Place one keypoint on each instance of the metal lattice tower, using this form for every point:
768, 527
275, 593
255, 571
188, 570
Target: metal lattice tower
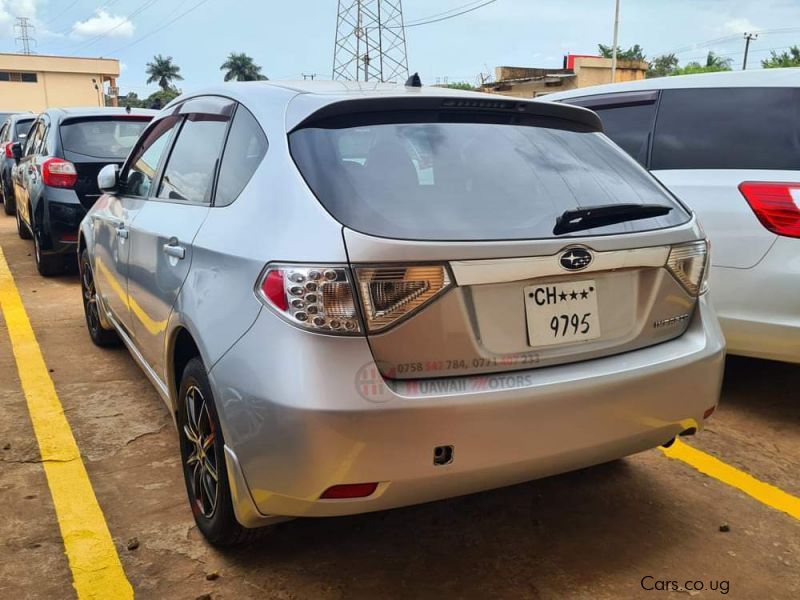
370, 41
23, 26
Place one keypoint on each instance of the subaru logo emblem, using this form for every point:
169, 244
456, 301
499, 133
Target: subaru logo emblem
575, 259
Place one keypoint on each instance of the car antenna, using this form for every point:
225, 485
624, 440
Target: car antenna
128, 108
414, 81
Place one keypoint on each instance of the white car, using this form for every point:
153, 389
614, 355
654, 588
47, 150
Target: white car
728, 145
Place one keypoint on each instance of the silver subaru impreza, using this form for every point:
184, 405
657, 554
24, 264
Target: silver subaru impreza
358, 297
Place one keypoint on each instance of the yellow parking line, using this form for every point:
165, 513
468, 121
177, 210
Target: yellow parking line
713, 467
93, 559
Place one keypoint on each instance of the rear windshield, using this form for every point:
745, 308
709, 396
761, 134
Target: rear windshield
106, 138
435, 177
22, 128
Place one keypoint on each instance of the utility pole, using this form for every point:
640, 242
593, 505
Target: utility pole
23, 27
614, 44
747, 38
370, 41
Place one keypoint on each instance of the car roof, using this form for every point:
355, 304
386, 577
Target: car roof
301, 99
96, 111
723, 79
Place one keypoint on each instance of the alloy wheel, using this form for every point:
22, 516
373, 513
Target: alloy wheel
89, 297
200, 438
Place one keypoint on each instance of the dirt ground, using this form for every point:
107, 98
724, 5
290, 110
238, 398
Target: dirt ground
604, 532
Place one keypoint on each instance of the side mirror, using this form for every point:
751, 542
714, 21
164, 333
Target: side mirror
16, 151
108, 178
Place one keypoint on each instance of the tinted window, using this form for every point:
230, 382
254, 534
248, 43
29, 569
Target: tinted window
629, 127
728, 128
245, 148
439, 180
3, 132
145, 159
107, 138
35, 139
22, 128
191, 166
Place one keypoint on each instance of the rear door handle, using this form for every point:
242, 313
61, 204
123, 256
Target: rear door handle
122, 231
174, 249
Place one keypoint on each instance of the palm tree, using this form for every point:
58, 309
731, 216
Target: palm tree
717, 62
164, 71
240, 67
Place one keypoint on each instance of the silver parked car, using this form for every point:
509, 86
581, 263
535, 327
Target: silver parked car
354, 298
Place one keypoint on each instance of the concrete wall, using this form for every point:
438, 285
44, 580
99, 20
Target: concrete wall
597, 71
61, 81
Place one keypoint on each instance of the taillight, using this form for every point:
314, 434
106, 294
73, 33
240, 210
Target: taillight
57, 172
7, 150
389, 294
687, 263
777, 205
319, 298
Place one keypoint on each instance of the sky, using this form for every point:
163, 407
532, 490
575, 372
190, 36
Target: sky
291, 37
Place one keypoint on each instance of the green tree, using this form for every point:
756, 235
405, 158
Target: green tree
784, 59
635, 52
163, 71
713, 64
460, 85
663, 65
131, 99
241, 67
161, 98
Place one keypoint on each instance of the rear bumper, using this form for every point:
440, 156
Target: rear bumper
63, 215
759, 308
292, 431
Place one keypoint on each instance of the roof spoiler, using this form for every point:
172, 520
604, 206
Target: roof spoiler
465, 103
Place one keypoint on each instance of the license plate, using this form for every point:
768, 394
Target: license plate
559, 313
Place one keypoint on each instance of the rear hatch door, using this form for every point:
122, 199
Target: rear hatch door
90, 143
450, 220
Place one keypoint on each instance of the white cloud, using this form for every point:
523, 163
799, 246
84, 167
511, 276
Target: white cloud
738, 25
123, 67
105, 24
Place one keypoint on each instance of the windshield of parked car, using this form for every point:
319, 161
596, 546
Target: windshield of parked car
102, 138
436, 177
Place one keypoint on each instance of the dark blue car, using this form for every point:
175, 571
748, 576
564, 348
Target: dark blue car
55, 178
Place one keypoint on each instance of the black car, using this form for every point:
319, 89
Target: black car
14, 129
55, 178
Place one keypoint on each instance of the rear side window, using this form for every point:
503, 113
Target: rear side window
438, 177
106, 138
21, 129
244, 150
728, 128
193, 162
629, 127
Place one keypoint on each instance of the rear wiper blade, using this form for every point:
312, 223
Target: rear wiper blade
606, 214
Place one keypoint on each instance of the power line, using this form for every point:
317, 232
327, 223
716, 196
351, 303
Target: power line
445, 18
61, 13
156, 30
137, 11
445, 12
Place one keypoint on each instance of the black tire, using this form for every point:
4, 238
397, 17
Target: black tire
47, 264
198, 427
8, 204
101, 337
22, 229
